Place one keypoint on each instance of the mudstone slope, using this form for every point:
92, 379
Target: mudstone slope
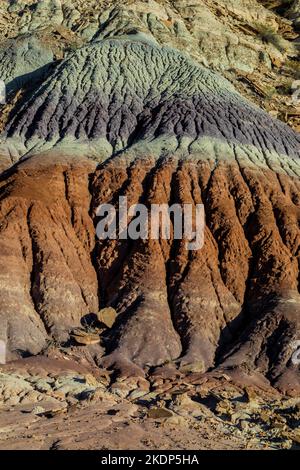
128, 116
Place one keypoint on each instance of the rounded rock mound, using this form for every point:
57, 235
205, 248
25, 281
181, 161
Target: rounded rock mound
126, 94
164, 130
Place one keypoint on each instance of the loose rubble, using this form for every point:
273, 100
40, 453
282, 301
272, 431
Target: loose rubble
194, 411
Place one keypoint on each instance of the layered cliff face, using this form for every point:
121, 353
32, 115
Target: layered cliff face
127, 116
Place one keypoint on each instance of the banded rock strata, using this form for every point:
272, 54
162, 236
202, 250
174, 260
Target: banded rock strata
126, 116
120, 94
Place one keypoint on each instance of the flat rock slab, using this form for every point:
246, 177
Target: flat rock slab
107, 316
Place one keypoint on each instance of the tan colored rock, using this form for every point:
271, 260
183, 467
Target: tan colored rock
86, 340
177, 421
195, 367
91, 380
158, 413
83, 337
107, 316
252, 394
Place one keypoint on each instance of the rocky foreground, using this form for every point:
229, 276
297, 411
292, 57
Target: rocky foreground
59, 404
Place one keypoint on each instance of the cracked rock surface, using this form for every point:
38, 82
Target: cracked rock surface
57, 403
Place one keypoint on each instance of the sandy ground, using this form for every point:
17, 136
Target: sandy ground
48, 404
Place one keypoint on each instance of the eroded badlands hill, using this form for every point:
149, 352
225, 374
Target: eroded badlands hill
125, 115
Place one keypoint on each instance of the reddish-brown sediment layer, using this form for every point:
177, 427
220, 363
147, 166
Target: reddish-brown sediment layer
233, 304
